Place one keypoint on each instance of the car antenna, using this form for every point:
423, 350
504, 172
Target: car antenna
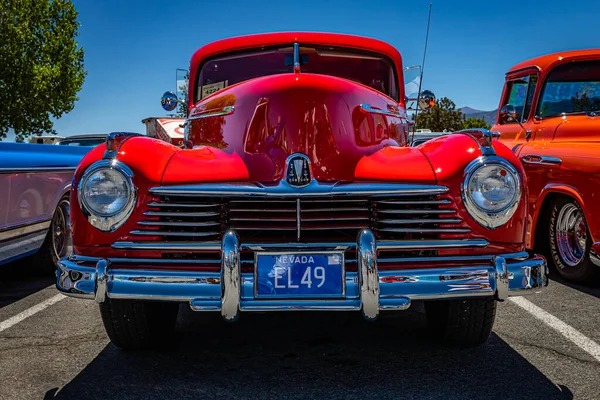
421, 77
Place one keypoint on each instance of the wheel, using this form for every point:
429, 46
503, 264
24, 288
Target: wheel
570, 242
136, 324
461, 323
57, 243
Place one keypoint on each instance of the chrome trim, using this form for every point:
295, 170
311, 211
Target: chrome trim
440, 259
425, 230
36, 170
381, 245
571, 234
368, 108
227, 110
180, 214
296, 58
101, 280
230, 277
167, 246
182, 205
368, 278
541, 160
167, 233
209, 291
289, 166
503, 278
483, 137
24, 229
594, 256
108, 223
298, 219
415, 211
420, 221
487, 219
22, 245
315, 188
168, 223
160, 261
419, 202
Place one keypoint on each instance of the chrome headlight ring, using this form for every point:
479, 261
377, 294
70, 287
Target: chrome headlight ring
107, 222
486, 217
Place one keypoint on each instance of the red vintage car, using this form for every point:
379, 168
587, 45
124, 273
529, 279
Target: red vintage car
550, 117
296, 189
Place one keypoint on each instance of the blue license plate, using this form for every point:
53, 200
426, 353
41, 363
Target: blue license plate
300, 275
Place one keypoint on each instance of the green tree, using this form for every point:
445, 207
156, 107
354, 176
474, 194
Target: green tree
41, 64
182, 95
443, 116
475, 123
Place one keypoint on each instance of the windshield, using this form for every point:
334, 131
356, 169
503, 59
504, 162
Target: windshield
369, 69
571, 88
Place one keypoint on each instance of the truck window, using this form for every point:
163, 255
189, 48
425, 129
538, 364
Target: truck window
520, 95
571, 88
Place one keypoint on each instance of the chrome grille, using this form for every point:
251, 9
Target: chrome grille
202, 216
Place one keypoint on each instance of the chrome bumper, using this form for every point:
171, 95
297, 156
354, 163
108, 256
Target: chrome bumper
369, 289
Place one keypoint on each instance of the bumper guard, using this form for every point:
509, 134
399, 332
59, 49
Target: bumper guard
368, 290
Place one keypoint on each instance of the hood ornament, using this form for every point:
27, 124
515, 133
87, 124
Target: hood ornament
298, 170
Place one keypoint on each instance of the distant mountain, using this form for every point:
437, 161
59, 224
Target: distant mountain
488, 116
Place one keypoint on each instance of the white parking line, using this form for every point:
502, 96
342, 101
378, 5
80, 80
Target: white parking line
582, 341
30, 311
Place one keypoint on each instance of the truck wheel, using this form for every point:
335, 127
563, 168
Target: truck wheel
57, 243
136, 324
461, 323
570, 242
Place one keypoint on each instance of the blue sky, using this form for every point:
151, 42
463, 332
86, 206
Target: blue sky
133, 47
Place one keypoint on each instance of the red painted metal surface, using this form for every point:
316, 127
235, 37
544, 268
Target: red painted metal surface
317, 115
573, 139
288, 38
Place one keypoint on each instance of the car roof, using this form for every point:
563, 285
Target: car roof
548, 60
288, 38
310, 38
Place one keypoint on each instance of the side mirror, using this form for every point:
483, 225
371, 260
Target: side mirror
426, 100
508, 113
169, 101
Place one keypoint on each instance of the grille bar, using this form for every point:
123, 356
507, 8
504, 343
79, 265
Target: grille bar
314, 214
167, 233
180, 214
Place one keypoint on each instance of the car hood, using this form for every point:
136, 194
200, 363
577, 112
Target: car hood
343, 127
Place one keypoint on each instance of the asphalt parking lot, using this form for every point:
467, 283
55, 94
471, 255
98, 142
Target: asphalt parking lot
545, 346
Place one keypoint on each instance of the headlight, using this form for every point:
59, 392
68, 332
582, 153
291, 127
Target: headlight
491, 191
106, 194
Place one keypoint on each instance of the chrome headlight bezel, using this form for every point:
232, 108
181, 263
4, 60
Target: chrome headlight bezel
111, 222
486, 218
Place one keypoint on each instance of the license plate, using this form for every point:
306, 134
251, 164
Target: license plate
300, 275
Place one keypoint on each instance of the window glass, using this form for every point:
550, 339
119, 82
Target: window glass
571, 88
369, 69
529, 101
517, 95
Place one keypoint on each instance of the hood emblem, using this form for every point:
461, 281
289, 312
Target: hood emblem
298, 170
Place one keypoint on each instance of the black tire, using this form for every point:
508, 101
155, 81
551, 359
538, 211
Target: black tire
136, 324
461, 323
574, 266
57, 243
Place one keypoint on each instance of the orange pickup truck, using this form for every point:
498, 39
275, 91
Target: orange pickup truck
550, 116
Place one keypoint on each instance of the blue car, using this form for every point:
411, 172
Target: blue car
35, 181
